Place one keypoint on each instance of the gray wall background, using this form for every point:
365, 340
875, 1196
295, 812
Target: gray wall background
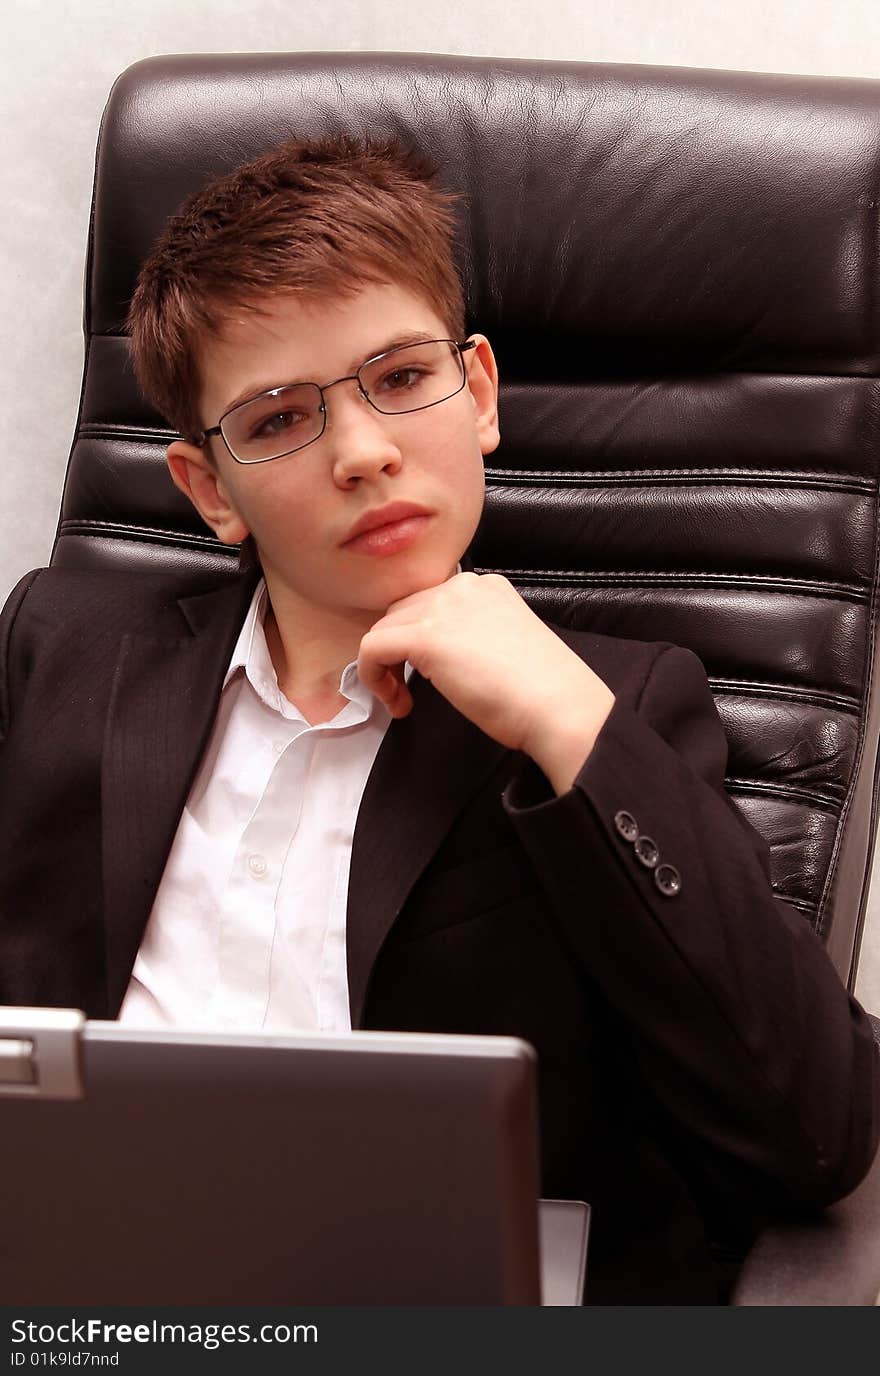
60, 58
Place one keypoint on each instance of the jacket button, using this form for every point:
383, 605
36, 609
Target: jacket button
668, 880
626, 824
646, 850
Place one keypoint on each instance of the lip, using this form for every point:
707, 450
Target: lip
384, 516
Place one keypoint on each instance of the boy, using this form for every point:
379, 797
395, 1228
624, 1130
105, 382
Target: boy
361, 786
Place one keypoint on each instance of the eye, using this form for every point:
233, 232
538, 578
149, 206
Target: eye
281, 423
403, 379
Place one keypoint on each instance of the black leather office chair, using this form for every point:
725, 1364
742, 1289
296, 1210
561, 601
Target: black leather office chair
678, 271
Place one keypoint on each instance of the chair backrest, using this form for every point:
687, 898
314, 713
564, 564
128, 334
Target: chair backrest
678, 270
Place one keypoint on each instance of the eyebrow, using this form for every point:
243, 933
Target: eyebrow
254, 390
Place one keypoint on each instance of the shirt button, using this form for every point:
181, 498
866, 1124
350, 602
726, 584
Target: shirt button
257, 865
279, 747
668, 880
626, 825
647, 851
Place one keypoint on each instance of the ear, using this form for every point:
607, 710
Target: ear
482, 381
199, 480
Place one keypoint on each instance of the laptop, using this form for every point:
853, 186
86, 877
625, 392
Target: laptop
365, 1168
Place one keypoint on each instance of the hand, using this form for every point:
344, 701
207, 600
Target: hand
497, 663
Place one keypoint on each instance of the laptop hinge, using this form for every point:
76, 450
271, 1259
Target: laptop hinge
40, 1052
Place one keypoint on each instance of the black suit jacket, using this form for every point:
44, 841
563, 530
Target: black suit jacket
700, 1064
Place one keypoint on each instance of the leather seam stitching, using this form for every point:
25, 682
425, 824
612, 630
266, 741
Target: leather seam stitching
759, 787
672, 578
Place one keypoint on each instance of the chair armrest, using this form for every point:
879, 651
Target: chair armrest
829, 1258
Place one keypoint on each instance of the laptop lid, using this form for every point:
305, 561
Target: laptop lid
187, 1168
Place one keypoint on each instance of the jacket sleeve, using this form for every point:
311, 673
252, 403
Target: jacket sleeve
739, 1023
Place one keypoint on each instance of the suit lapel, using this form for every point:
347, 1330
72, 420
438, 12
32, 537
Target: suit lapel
427, 767
163, 701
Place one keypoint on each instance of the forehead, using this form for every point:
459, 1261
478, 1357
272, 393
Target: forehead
291, 339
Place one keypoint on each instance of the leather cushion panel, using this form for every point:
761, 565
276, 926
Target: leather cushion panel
801, 840
756, 525
791, 163
126, 480
197, 564
702, 419
776, 632
778, 742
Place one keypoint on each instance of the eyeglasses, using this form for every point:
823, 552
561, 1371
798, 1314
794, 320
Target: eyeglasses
286, 419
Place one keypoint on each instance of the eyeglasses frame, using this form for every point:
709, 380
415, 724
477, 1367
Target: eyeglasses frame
463, 347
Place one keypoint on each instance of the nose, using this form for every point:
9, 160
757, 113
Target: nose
359, 437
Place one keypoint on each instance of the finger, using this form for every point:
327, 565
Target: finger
391, 689
387, 647
381, 664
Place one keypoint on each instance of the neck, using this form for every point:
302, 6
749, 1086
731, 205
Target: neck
310, 646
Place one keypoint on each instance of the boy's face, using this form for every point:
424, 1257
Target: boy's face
301, 508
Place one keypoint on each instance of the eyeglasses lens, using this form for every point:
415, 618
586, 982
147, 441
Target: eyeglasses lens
412, 378
275, 423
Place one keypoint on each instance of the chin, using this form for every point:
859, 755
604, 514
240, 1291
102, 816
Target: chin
402, 581
428, 573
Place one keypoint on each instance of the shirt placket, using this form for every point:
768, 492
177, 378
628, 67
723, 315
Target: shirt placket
247, 929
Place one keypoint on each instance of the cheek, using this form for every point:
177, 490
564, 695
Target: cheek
469, 481
456, 456
274, 500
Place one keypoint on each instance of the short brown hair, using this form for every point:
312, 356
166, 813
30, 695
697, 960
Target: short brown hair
318, 218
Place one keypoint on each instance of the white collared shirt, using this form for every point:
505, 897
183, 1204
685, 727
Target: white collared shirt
247, 930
